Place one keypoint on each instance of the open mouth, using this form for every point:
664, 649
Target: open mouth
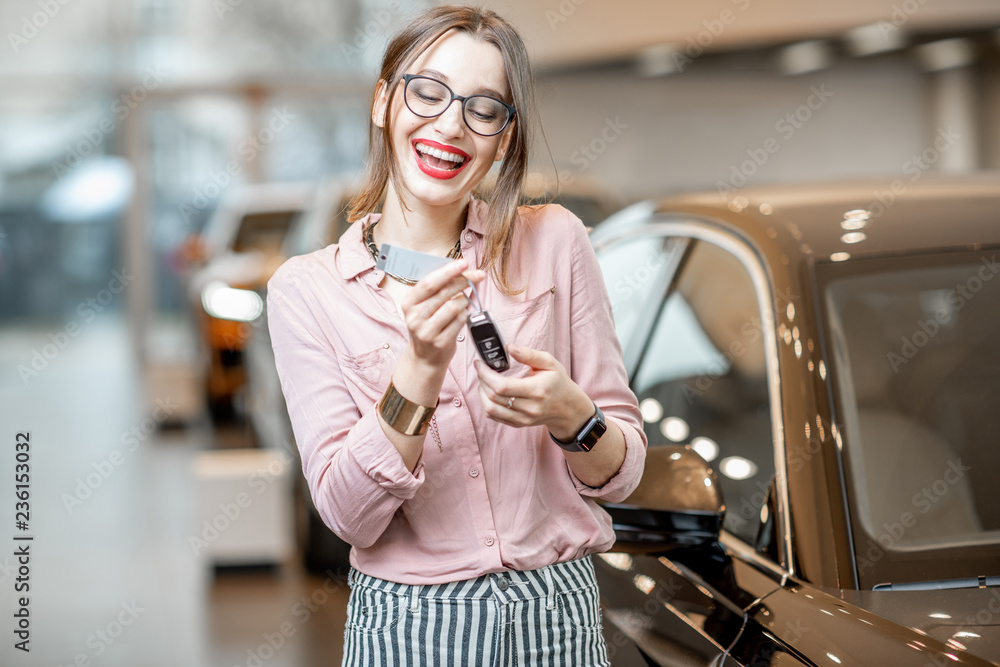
438, 160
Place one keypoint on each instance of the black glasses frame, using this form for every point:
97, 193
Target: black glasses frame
511, 111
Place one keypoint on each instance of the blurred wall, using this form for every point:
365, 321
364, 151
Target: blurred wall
740, 126
564, 32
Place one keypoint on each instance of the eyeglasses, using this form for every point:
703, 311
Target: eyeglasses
429, 98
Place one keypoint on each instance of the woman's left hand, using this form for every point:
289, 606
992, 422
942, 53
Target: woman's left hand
547, 396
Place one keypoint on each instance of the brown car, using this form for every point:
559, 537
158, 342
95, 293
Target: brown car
818, 368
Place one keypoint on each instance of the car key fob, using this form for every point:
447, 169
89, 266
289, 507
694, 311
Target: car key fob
489, 340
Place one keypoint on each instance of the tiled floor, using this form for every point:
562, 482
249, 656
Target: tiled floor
113, 578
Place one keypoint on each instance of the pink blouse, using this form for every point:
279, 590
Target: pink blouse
492, 497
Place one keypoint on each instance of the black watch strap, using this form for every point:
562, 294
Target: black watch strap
588, 435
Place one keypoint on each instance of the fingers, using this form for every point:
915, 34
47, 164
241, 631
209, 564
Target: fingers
452, 290
500, 413
532, 358
418, 304
499, 388
449, 274
447, 318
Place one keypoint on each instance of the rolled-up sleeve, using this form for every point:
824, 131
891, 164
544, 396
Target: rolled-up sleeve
598, 367
356, 476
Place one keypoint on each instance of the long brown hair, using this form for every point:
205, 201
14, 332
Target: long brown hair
405, 47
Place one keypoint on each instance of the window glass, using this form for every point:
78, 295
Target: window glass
917, 367
634, 271
702, 381
263, 231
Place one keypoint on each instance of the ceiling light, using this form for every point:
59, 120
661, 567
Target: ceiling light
651, 410
675, 429
706, 448
872, 38
737, 467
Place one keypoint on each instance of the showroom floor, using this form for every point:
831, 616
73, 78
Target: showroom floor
113, 578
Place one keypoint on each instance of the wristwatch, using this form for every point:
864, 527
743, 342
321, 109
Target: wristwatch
588, 435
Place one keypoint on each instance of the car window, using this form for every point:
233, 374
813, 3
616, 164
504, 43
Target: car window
916, 365
635, 272
263, 231
702, 380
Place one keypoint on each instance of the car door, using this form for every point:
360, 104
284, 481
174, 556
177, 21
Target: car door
693, 333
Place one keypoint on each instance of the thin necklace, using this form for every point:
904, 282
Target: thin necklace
369, 239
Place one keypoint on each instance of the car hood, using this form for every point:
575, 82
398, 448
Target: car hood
966, 620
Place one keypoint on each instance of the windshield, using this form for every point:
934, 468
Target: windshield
263, 231
916, 355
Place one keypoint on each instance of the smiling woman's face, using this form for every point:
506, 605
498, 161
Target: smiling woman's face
467, 66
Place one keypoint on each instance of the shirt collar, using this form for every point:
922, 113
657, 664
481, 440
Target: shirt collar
355, 258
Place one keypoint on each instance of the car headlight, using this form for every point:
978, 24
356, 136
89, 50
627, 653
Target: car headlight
228, 303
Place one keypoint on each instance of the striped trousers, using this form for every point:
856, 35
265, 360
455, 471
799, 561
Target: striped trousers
545, 617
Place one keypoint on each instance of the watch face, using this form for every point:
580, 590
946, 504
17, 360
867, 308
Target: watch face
588, 435
593, 431
590, 438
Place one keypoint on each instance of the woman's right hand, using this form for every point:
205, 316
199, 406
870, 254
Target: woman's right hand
435, 310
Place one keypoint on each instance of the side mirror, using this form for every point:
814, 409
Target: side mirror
677, 504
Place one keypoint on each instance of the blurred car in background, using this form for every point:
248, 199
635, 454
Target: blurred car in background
237, 252
819, 378
319, 226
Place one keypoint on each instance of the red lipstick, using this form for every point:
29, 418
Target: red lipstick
434, 172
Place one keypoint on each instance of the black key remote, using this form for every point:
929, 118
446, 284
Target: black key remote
489, 340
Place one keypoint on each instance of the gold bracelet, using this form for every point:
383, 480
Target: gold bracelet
403, 415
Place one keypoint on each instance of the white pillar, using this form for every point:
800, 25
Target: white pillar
954, 103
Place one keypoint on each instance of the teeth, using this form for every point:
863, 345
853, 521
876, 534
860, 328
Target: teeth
441, 155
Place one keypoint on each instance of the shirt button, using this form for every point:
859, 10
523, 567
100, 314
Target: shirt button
489, 541
461, 337
457, 402
474, 472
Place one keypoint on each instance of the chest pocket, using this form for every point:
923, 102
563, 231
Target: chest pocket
368, 374
529, 323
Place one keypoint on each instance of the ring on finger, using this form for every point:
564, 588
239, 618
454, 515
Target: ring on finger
510, 403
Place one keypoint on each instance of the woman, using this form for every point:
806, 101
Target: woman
467, 494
